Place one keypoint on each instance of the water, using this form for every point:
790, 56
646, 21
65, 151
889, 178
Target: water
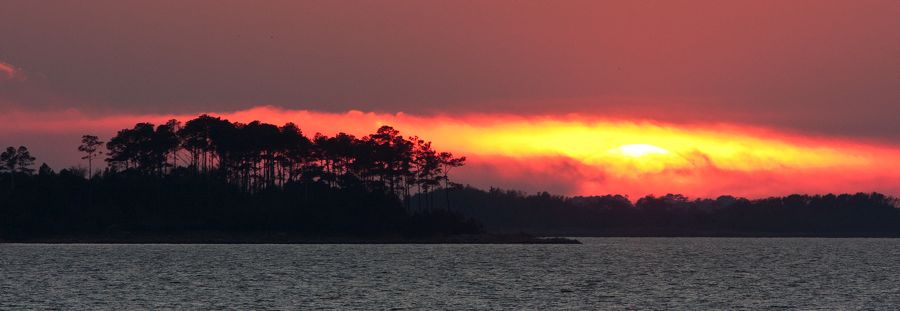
603, 273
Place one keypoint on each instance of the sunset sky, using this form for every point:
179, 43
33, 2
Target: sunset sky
752, 98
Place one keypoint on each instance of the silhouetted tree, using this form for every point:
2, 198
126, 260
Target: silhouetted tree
45, 170
196, 139
90, 145
448, 162
15, 161
168, 140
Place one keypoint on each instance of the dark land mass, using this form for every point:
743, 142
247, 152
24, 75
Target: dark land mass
283, 238
232, 179
672, 215
214, 181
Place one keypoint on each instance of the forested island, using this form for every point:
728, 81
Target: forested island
212, 180
830, 215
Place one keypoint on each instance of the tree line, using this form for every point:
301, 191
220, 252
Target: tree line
212, 174
258, 155
859, 214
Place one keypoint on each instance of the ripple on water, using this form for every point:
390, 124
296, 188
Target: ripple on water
611, 273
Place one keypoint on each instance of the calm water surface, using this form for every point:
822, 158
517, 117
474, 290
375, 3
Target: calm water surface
603, 273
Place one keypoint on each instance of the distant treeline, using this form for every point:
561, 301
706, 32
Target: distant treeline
862, 214
212, 174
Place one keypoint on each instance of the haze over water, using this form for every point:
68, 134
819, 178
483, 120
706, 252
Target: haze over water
603, 273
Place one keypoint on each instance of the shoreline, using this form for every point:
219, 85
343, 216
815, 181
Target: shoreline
729, 235
723, 235
282, 238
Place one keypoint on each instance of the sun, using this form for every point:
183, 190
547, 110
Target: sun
639, 150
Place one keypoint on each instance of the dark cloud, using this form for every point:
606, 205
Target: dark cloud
829, 67
553, 174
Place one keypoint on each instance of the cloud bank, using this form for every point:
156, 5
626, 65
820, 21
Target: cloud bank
571, 154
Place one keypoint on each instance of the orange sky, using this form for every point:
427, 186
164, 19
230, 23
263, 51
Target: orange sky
569, 154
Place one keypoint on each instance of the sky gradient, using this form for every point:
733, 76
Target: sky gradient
751, 98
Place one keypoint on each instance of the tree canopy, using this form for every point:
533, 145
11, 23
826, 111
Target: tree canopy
212, 174
256, 155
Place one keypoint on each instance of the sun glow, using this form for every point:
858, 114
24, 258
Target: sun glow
576, 154
639, 150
